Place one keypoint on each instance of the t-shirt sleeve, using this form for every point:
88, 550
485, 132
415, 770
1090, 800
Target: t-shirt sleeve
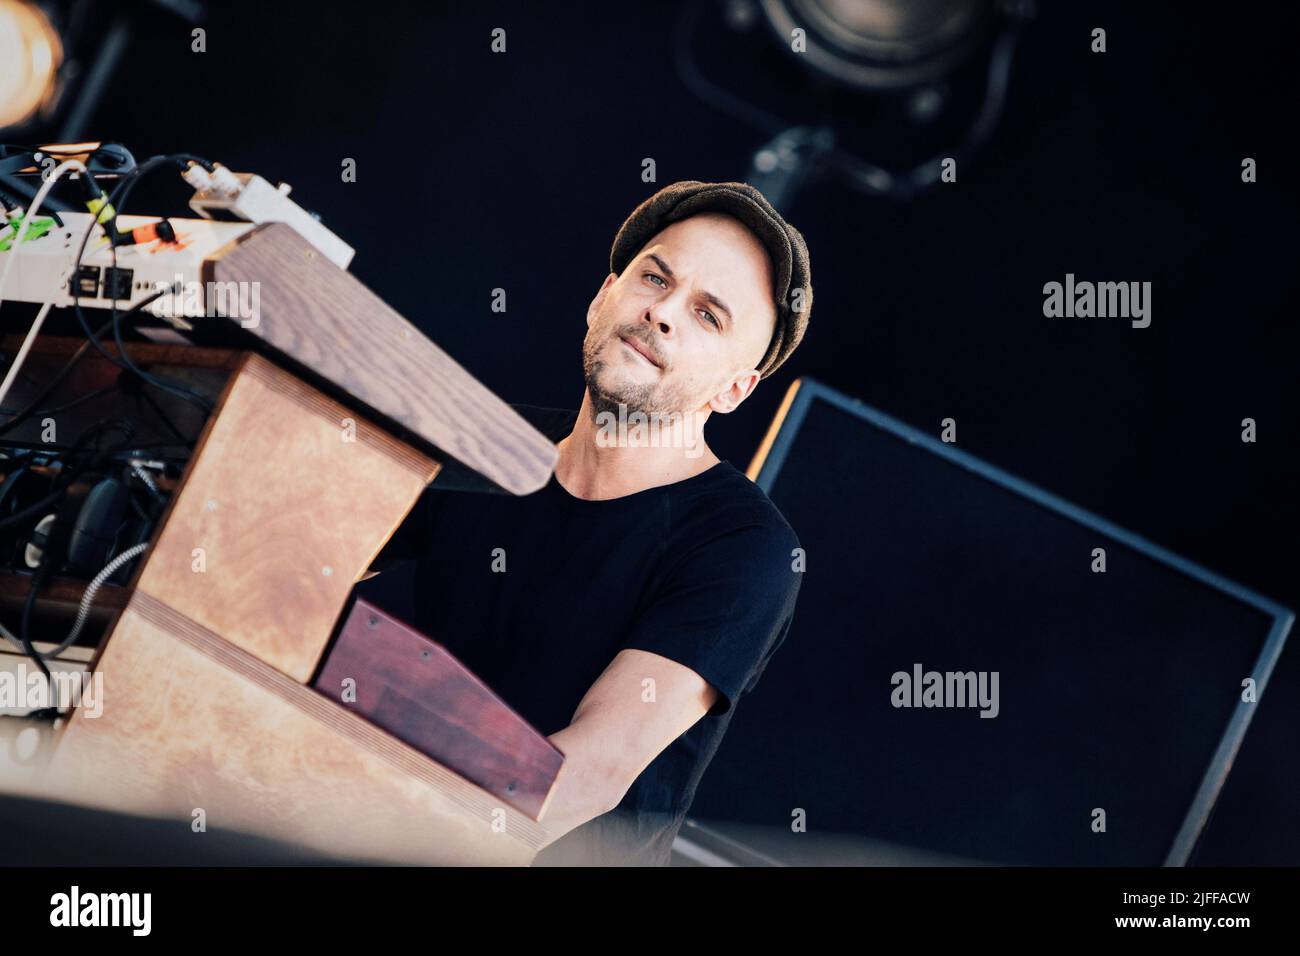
725, 608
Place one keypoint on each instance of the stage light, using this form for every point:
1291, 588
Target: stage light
881, 44
892, 89
30, 52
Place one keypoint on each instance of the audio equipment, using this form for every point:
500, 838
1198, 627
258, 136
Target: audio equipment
977, 669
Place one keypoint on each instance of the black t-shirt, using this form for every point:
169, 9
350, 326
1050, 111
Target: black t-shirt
536, 594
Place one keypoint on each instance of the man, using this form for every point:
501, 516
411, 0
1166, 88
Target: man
625, 608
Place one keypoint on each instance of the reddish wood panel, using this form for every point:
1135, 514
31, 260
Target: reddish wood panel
413, 688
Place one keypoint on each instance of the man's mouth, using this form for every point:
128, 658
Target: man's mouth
640, 349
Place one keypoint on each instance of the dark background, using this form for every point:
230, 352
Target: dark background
1115, 690
477, 171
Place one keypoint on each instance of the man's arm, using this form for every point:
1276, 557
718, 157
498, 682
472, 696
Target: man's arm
621, 725
721, 613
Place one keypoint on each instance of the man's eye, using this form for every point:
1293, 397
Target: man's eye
658, 279
711, 317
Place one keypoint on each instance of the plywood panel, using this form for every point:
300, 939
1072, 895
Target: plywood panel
190, 721
280, 513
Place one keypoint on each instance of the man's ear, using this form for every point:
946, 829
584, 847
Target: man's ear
729, 399
599, 298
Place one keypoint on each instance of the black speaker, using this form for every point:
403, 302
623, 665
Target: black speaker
978, 671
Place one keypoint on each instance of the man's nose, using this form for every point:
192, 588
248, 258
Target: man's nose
659, 315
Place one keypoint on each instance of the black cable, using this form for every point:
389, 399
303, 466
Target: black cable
31, 511
48, 559
73, 470
24, 628
10, 201
162, 444
117, 200
68, 366
50, 207
74, 402
30, 409
139, 511
204, 405
82, 350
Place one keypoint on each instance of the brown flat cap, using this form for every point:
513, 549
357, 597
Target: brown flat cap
792, 282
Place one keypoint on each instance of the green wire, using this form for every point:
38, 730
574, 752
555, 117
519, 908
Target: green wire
39, 227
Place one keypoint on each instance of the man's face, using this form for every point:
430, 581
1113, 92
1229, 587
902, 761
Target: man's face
698, 300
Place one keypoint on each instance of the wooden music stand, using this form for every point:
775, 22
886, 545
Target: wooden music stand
321, 442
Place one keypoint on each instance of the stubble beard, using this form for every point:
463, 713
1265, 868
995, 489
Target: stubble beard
647, 397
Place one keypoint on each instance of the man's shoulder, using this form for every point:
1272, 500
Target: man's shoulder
731, 503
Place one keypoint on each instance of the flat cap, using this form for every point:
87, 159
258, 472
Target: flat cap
792, 281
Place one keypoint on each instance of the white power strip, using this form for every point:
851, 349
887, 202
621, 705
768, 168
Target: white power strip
231, 204
251, 198
44, 270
